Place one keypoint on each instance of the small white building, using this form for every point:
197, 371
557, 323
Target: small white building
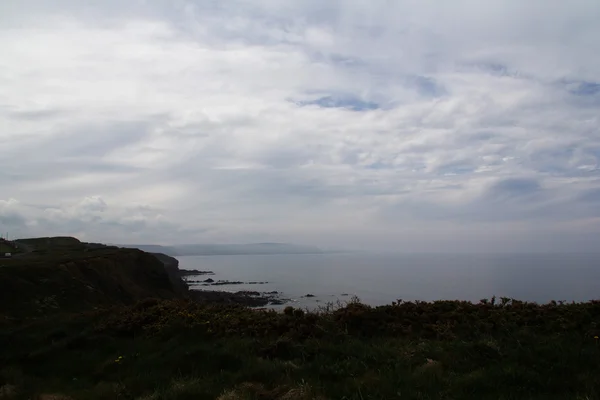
8, 255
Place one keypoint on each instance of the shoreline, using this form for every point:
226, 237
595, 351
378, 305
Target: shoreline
242, 297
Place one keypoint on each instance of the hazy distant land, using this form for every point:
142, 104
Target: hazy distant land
227, 249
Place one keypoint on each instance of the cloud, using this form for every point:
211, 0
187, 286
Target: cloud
348, 102
10, 214
369, 124
117, 221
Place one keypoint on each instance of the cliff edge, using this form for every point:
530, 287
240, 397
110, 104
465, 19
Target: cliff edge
77, 277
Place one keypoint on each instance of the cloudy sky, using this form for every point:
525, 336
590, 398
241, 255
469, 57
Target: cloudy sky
408, 125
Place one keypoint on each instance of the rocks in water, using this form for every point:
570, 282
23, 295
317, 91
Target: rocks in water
247, 298
212, 282
344, 294
185, 272
310, 295
248, 293
220, 283
211, 296
277, 302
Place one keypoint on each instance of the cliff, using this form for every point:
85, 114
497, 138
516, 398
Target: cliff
77, 278
172, 268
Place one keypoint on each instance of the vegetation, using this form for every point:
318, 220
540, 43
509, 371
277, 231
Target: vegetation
73, 279
86, 321
4, 248
45, 243
7, 246
177, 349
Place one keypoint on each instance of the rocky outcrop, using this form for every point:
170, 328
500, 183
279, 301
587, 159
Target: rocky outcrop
172, 268
245, 298
63, 275
38, 285
185, 272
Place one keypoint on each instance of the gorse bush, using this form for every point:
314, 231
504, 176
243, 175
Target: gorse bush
178, 349
444, 320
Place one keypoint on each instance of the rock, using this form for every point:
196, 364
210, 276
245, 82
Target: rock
219, 283
344, 294
172, 268
248, 293
245, 297
210, 296
184, 272
209, 280
310, 295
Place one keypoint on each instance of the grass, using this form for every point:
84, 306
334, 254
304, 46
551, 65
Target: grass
44, 243
63, 279
174, 349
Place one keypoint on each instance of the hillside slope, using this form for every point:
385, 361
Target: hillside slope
75, 278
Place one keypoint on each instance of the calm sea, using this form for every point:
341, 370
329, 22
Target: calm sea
381, 279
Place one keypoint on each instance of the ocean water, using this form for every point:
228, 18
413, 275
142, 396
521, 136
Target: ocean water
382, 278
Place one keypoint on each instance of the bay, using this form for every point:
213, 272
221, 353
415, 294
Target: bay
382, 278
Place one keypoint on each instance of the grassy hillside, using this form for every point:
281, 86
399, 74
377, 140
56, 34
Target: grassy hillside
51, 241
164, 349
4, 248
65, 276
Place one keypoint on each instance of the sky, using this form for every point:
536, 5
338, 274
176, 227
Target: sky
405, 125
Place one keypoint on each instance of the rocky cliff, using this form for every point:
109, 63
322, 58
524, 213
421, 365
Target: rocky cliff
172, 268
83, 278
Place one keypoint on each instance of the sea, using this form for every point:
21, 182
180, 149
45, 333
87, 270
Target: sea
318, 280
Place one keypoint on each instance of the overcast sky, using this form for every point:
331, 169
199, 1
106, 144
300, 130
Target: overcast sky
402, 125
